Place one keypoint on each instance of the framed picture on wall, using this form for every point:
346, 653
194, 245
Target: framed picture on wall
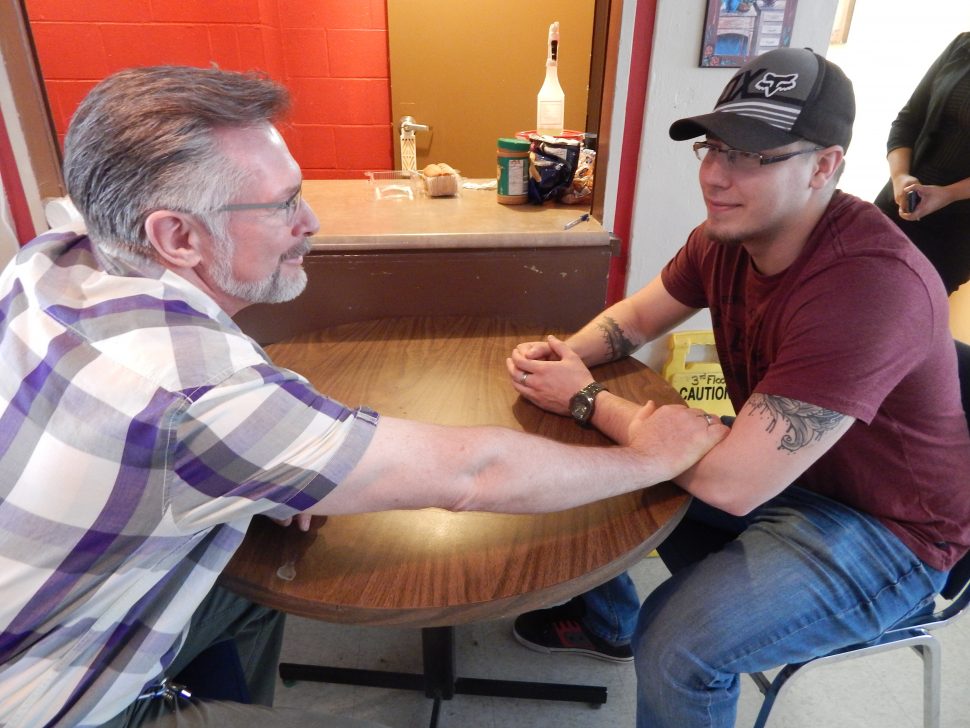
738, 30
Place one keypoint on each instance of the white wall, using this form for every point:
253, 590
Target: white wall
889, 49
8, 241
15, 130
619, 109
668, 203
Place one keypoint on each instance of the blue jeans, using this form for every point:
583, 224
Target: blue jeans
613, 607
805, 576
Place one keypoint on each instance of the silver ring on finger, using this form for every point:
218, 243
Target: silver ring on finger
710, 420
525, 375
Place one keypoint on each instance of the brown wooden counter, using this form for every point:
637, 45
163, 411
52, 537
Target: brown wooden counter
461, 256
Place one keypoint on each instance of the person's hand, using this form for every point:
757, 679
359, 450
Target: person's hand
674, 437
901, 184
536, 350
932, 198
303, 521
547, 374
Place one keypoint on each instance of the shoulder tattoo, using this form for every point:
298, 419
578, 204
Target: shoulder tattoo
617, 343
804, 423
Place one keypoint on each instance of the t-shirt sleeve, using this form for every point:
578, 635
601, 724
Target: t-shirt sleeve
852, 335
263, 441
683, 277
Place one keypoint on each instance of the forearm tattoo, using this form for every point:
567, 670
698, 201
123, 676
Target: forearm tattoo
804, 422
617, 344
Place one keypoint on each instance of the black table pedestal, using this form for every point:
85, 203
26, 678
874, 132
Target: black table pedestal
439, 680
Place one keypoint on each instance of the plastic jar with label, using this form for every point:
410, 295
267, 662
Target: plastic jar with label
513, 171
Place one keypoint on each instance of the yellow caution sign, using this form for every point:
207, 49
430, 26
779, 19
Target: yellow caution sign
694, 371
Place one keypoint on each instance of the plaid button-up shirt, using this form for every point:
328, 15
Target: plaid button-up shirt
140, 431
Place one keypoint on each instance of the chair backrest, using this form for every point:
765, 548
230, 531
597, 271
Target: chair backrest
963, 370
958, 579
960, 574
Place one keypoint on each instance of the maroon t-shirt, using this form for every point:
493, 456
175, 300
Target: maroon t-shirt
857, 324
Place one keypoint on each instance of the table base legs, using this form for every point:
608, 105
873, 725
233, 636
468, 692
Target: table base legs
439, 681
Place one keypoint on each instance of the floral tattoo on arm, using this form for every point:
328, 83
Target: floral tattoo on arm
617, 343
804, 423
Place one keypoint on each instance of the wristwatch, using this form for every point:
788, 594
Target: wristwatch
582, 404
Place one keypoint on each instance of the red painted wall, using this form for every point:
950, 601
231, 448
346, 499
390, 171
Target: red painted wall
331, 54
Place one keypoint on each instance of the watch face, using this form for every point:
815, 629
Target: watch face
579, 407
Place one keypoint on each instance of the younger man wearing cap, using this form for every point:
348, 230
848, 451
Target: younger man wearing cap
837, 503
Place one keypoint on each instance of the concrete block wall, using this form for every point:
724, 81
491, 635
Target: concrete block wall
332, 54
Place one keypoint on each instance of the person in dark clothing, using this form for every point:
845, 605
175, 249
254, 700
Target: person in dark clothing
929, 155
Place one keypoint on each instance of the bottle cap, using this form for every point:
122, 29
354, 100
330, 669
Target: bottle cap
514, 145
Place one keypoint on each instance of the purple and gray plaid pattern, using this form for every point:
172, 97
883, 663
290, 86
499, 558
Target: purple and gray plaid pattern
140, 431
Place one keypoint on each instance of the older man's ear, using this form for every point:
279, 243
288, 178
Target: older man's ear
176, 237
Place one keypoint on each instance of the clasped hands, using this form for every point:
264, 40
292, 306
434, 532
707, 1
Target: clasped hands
931, 197
547, 373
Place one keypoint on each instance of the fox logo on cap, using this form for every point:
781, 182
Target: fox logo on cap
771, 83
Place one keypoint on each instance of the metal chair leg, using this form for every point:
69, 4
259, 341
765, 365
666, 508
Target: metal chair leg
930, 652
773, 689
925, 644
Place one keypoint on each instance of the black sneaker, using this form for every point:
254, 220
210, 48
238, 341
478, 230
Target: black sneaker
560, 629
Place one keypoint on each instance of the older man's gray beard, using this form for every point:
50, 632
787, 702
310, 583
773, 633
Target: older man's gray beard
273, 289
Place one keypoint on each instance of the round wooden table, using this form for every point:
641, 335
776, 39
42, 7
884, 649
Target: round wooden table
432, 568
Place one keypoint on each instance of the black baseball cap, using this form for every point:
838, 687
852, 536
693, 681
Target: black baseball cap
782, 96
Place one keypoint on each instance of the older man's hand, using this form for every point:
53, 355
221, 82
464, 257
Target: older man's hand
674, 437
304, 521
